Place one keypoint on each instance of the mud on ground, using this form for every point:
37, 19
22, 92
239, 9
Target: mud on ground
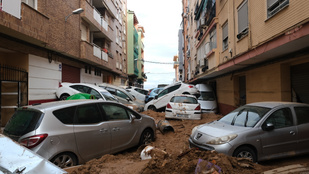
173, 155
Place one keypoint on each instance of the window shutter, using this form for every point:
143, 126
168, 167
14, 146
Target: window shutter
243, 17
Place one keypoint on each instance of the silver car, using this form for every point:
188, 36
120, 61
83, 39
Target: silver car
258, 131
72, 132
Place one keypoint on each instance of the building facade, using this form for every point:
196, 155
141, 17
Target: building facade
44, 43
252, 51
135, 49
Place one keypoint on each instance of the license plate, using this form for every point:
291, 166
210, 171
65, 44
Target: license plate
182, 115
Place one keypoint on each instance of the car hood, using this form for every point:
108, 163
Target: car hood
219, 129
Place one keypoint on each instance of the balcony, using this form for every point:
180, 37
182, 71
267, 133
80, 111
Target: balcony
97, 23
33, 27
92, 53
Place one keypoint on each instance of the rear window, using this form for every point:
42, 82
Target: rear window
66, 115
23, 122
207, 96
184, 99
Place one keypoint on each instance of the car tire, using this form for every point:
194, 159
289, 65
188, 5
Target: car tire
64, 96
153, 108
146, 137
245, 152
64, 160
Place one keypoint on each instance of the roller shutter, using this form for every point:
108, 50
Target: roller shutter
70, 74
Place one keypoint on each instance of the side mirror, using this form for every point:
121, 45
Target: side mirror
132, 118
156, 97
269, 127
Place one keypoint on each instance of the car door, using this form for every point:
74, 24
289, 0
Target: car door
123, 130
92, 134
302, 115
283, 138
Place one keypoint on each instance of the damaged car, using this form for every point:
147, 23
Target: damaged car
73, 132
258, 131
183, 106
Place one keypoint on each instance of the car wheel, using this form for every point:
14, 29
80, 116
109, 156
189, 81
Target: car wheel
153, 108
64, 96
146, 137
245, 152
64, 160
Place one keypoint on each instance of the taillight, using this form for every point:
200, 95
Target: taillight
191, 86
33, 141
198, 107
60, 85
168, 106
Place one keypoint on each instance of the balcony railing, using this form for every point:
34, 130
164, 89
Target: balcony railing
97, 52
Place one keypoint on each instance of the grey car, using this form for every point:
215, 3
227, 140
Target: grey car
258, 131
72, 132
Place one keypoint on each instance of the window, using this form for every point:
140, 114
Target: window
302, 114
115, 112
95, 93
81, 88
66, 115
88, 114
225, 43
246, 116
213, 39
183, 99
31, 3
274, 6
280, 118
242, 20
121, 94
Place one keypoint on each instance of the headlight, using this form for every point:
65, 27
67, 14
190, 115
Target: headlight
222, 140
195, 128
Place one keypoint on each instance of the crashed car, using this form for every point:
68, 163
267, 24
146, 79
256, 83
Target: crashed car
73, 132
183, 106
258, 131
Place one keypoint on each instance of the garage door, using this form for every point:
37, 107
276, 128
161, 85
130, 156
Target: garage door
70, 74
300, 82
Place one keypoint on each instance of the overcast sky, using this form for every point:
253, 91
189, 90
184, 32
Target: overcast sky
161, 20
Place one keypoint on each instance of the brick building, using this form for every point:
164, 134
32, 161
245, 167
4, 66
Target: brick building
44, 43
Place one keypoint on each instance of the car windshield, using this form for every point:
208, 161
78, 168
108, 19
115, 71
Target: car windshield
22, 122
207, 96
184, 99
245, 116
108, 96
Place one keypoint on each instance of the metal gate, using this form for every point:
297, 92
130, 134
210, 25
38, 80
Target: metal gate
14, 91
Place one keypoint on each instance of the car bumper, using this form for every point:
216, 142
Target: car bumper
223, 148
188, 116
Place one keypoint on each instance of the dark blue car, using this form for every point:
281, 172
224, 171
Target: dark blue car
152, 93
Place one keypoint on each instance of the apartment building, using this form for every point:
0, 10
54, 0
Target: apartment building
135, 49
252, 51
44, 43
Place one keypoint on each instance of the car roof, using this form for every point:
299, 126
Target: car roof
85, 84
184, 95
63, 104
116, 87
273, 104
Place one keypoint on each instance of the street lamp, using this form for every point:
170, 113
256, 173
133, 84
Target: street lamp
77, 11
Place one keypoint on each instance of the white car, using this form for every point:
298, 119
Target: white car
123, 96
161, 100
183, 106
138, 93
67, 89
207, 98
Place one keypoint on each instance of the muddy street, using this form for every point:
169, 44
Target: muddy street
172, 155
